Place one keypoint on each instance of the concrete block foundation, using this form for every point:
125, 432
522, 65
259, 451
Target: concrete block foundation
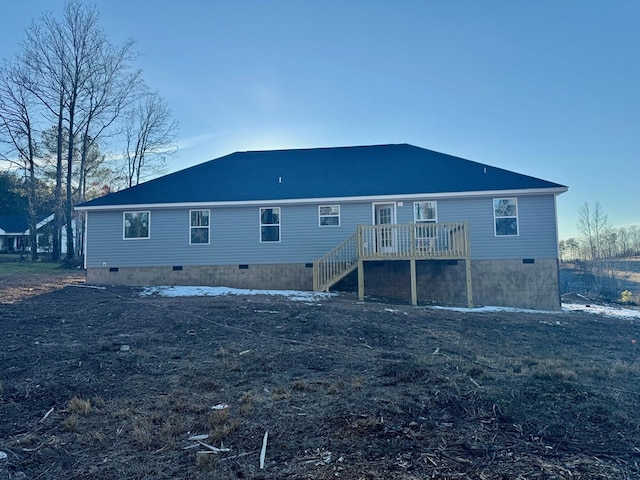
523, 283
277, 277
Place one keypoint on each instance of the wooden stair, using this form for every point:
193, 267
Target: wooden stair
335, 265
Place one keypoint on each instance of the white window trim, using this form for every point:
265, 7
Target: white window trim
516, 216
208, 227
124, 237
279, 225
435, 220
329, 216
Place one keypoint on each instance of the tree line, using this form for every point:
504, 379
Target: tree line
602, 258
77, 120
598, 240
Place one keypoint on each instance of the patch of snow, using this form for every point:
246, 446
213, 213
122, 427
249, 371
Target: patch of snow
607, 311
491, 309
180, 291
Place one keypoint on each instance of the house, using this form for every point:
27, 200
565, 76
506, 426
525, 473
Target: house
397, 221
14, 234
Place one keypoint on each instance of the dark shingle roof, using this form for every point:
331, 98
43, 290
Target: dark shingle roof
323, 173
14, 223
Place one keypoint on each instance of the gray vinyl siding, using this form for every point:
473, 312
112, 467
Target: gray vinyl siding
235, 233
234, 237
536, 226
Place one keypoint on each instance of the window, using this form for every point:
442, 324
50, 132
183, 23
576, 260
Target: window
270, 224
136, 224
505, 214
425, 212
198, 227
329, 215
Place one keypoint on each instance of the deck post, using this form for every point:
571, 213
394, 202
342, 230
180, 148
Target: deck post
316, 284
467, 264
360, 280
414, 287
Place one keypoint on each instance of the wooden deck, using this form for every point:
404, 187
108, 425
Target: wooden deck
413, 241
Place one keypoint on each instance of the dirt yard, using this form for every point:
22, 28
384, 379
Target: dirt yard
107, 384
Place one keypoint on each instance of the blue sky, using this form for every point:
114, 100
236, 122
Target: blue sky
547, 88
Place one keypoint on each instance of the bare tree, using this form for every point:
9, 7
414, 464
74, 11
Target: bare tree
150, 133
78, 81
17, 133
593, 225
569, 249
634, 239
110, 89
84, 81
43, 56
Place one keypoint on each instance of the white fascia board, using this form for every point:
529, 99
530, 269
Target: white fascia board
41, 224
302, 201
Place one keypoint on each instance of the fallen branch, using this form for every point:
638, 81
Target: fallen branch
475, 383
81, 285
263, 452
212, 448
46, 415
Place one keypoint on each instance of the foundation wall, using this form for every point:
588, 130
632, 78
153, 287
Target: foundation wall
531, 283
516, 283
278, 277
508, 283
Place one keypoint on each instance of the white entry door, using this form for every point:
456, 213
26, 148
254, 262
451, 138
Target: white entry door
385, 214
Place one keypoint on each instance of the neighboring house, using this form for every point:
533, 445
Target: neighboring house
14, 234
391, 220
13, 238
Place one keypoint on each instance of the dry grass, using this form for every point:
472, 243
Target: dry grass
554, 369
92, 437
154, 431
280, 394
142, 432
70, 423
205, 461
221, 425
357, 382
79, 406
300, 385
335, 388
247, 403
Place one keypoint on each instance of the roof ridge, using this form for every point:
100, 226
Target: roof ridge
345, 147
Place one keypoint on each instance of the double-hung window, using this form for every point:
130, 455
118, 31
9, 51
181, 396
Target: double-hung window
329, 215
269, 224
424, 212
199, 227
505, 215
135, 225
425, 215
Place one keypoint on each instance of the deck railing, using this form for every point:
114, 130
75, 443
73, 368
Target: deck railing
419, 241
336, 264
413, 240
